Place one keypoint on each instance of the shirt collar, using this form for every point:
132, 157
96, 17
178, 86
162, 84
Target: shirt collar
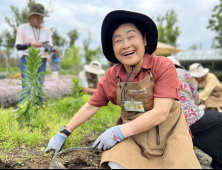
146, 65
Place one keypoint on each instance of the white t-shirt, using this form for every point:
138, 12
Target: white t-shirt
27, 34
83, 81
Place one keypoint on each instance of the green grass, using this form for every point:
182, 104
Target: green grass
49, 121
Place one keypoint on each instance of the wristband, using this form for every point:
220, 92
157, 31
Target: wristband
119, 133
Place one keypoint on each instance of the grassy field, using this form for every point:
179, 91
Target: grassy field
49, 121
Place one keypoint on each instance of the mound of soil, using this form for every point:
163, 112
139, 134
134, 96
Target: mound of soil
82, 159
5, 165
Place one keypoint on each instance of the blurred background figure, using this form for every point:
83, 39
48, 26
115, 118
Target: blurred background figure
55, 62
205, 125
89, 77
33, 34
209, 86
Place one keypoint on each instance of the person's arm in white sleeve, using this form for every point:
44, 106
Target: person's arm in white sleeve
85, 85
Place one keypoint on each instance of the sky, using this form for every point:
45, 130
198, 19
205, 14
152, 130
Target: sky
84, 15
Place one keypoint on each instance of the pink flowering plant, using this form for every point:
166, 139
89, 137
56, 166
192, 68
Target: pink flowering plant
10, 89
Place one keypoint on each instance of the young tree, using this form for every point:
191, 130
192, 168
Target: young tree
73, 36
86, 44
195, 47
215, 24
91, 54
72, 58
57, 40
168, 32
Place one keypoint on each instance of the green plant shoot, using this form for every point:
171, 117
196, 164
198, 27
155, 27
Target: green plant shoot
77, 88
30, 104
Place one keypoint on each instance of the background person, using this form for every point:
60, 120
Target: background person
209, 85
55, 62
89, 77
32, 34
151, 131
205, 125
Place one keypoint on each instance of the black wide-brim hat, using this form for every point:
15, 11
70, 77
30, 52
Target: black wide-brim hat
150, 28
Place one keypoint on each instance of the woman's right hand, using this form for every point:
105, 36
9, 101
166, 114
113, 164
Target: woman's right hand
36, 44
56, 143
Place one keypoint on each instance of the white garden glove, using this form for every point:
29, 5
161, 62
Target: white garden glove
56, 143
109, 138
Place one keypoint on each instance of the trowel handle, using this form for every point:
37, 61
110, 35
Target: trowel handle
93, 148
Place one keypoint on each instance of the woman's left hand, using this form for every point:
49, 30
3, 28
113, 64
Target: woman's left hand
109, 138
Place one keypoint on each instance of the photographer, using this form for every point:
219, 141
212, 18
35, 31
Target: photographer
34, 34
55, 62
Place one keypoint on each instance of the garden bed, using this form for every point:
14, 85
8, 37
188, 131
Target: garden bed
71, 160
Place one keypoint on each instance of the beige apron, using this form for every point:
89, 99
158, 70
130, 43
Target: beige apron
142, 151
215, 98
92, 82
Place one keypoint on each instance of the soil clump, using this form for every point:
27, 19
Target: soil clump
4, 165
82, 159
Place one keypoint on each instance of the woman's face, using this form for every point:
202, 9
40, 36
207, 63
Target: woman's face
198, 79
36, 20
128, 44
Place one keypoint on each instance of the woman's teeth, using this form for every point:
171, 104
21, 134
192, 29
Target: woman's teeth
132, 52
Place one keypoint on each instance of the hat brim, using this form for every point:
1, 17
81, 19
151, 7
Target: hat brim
92, 70
148, 23
33, 13
180, 66
204, 72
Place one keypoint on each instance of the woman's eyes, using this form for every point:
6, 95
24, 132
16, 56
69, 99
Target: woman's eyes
118, 41
131, 37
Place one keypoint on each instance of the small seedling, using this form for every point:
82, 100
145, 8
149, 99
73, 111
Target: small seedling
77, 88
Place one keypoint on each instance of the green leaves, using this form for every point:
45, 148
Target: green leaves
215, 24
169, 33
33, 89
76, 88
72, 58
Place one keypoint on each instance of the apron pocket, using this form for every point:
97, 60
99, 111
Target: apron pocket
148, 140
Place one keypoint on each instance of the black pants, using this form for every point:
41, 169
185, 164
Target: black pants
207, 133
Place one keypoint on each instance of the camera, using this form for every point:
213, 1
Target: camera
48, 48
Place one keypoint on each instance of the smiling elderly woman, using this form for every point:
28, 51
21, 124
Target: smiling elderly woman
151, 131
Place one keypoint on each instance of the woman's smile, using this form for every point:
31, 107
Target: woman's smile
128, 54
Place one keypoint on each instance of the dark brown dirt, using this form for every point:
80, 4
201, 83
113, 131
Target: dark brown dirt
4, 165
24, 158
82, 159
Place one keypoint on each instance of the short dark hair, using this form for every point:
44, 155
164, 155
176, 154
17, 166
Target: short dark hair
121, 21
